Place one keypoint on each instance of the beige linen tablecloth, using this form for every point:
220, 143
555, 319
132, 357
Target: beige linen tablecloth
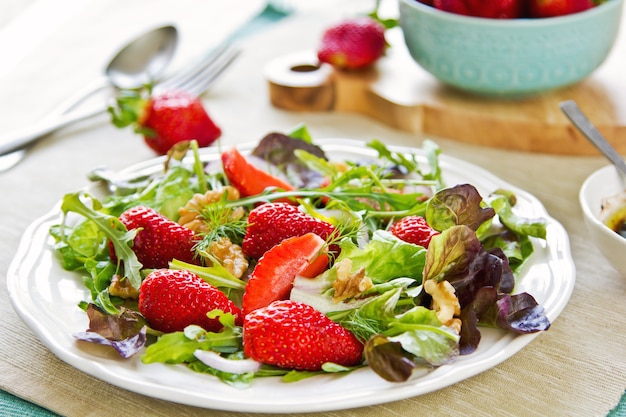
577, 368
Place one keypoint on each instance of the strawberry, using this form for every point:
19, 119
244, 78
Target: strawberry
247, 178
166, 119
159, 239
271, 223
493, 9
553, 8
452, 6
413, 229
173, 299
353, 43
273, 276
294, 335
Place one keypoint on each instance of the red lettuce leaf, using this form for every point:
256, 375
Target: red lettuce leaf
126, 348
125, 332
458, 205
278, 150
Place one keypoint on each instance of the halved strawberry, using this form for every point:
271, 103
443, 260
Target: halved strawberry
294, 335
246, 177
273, 276
271, 223
159, 239
173, 299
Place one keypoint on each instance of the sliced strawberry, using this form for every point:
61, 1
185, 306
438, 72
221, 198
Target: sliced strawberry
273, 276
317, 266
173, 299
271, 223
294, 335
246, 177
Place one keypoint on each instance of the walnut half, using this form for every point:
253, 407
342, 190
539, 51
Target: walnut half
120, 287
191, 213
349, 285
445, 303
230, 256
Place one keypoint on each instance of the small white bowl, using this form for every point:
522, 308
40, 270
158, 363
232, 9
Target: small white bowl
603, 183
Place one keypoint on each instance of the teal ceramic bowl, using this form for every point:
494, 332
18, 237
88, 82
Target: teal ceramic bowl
511, 57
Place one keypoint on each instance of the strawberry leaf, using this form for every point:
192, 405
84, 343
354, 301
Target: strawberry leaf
127, 110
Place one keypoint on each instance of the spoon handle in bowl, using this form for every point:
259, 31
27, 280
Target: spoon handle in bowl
578, 118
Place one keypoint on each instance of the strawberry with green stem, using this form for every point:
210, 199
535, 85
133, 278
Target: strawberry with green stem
165, 119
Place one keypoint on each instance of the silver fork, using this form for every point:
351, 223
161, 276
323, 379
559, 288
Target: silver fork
196, 79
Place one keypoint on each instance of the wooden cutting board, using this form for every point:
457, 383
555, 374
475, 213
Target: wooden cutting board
401, 94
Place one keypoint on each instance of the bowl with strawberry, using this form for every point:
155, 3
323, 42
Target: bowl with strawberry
510, 47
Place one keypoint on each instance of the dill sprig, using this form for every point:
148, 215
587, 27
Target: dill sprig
222, 220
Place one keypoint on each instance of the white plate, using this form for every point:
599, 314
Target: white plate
46, 298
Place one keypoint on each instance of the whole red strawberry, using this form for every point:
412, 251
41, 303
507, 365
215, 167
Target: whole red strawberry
453, 6
273, 276
553, 8
413, 229
271, 223
166, 119
294, 335
173, 299
159, 239
353, 43
493, 9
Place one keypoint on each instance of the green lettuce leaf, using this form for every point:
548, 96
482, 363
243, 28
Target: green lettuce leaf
386, 257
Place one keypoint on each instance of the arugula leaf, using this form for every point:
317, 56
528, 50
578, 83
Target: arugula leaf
112, 228
98, 281
179, 347
216, 275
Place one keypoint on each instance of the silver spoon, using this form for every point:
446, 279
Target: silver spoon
584, 125
138, 63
